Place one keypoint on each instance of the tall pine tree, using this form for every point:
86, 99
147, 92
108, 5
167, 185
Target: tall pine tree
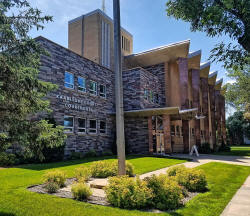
22, 94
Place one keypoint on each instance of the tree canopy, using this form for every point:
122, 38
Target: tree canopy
216, 18
22, 94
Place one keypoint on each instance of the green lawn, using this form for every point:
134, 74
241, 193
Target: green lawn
15, 200
237, 151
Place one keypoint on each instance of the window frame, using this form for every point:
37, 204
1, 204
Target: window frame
73, 123
105, 93
89, 129
78, 86
81, 128
101, 130
66, 83
90, 90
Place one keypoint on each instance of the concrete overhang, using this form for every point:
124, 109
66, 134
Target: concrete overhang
212, 78
218, 84
175, 112
194, 60
170, 52
204, 69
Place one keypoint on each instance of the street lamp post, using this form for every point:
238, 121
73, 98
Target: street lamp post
120, 138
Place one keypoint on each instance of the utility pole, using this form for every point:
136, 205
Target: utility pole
120, 138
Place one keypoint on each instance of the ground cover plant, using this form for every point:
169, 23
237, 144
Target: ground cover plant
236, 151
16, 200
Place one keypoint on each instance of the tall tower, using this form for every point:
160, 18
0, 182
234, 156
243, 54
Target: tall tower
92, 36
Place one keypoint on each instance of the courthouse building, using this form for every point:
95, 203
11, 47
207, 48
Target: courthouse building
171, 100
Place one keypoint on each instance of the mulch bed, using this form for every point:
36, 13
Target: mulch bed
93, 199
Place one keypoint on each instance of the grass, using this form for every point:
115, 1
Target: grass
16, 200
237, 151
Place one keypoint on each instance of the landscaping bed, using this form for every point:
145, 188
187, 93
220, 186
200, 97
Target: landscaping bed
164, 192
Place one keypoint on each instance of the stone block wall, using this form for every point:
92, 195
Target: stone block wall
74, 103
135, 81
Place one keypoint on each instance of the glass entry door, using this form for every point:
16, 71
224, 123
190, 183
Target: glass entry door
158, 135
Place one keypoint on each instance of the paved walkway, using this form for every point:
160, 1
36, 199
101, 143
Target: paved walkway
203, 159
240, 204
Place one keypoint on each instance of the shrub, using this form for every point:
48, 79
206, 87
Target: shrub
83, 174
191, 179
205, 148
57, 176
7, 159
76, 155
104, 169
107, 153
167, 193
81, 191
51, 187
91, 153
172, 171
128, 193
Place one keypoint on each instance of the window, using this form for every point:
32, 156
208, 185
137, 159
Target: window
81, 84
192, 131
92, 126
181, 131
156, 98
151, 96
146, 94
102, 127
81, 125
69, 80
178, 130
172, 130
191, 104
93, 88
68, 124
102, 91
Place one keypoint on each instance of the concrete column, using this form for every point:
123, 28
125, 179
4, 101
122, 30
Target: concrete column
150, 135
167, 133
185, 128
204, 90
218, 116
167, 88
223, 119
183, 70
212, 107
196, 102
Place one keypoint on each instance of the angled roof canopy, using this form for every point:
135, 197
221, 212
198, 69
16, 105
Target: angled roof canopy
194, 59
218, 84
212, 78
204, 69
158, 55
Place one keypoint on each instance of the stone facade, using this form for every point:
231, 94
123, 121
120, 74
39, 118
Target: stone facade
71, 102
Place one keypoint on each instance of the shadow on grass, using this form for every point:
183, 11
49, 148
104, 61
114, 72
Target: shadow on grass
44, 166
6, 214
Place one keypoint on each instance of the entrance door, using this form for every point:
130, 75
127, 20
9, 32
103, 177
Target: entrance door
158, 135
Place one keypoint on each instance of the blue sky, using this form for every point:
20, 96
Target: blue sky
145, 19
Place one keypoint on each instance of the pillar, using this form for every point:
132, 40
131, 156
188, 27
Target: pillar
167, 133
150, 135
218, 117
196, 102
224, 133
183, 70
212, 108
185, 128
204, 90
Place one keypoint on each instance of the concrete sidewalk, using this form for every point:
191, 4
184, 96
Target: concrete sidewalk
240, 204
